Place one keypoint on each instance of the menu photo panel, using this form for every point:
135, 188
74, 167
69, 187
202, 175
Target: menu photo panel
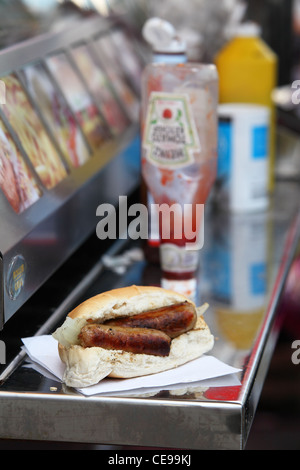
129, 58
79, 100
57, 114
108, 57
16, 179
31, 133
100, 88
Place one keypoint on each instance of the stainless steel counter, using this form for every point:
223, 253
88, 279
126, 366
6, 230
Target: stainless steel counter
244, 265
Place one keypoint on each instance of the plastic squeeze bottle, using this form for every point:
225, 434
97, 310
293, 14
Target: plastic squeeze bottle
179, 156
167, 48
247, 70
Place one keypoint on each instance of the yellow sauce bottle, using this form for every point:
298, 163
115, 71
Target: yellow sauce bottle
248, 74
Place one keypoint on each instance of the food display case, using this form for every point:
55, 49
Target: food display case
69, 155
62, 132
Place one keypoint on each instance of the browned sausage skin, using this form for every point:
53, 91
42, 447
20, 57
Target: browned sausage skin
135, 340
149, 332
173, 320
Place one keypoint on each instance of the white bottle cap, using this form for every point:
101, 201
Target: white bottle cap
247, 29
162, 37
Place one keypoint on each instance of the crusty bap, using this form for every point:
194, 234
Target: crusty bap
87, 366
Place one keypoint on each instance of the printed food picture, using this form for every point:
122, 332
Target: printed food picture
33, 136
129, 58
98, 83
16, 180
57, 114
109, 57
79, 100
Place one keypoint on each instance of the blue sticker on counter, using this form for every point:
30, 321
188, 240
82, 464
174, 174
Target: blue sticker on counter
219, 272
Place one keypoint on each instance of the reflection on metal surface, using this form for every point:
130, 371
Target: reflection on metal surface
208, 416
239, 328
236, 266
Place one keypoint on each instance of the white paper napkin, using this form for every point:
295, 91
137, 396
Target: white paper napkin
43, 351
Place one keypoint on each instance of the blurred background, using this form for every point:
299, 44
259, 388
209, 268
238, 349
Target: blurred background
206, 25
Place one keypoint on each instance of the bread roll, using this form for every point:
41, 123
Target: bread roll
87, 366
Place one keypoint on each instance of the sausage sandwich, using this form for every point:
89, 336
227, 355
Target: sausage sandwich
131, 332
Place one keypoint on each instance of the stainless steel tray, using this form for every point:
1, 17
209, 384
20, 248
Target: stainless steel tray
243, 317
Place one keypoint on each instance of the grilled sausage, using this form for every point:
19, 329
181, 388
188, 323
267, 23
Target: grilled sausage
135, 340
173, 320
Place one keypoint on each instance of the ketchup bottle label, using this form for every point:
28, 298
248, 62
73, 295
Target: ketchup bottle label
177, 259
170, 138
